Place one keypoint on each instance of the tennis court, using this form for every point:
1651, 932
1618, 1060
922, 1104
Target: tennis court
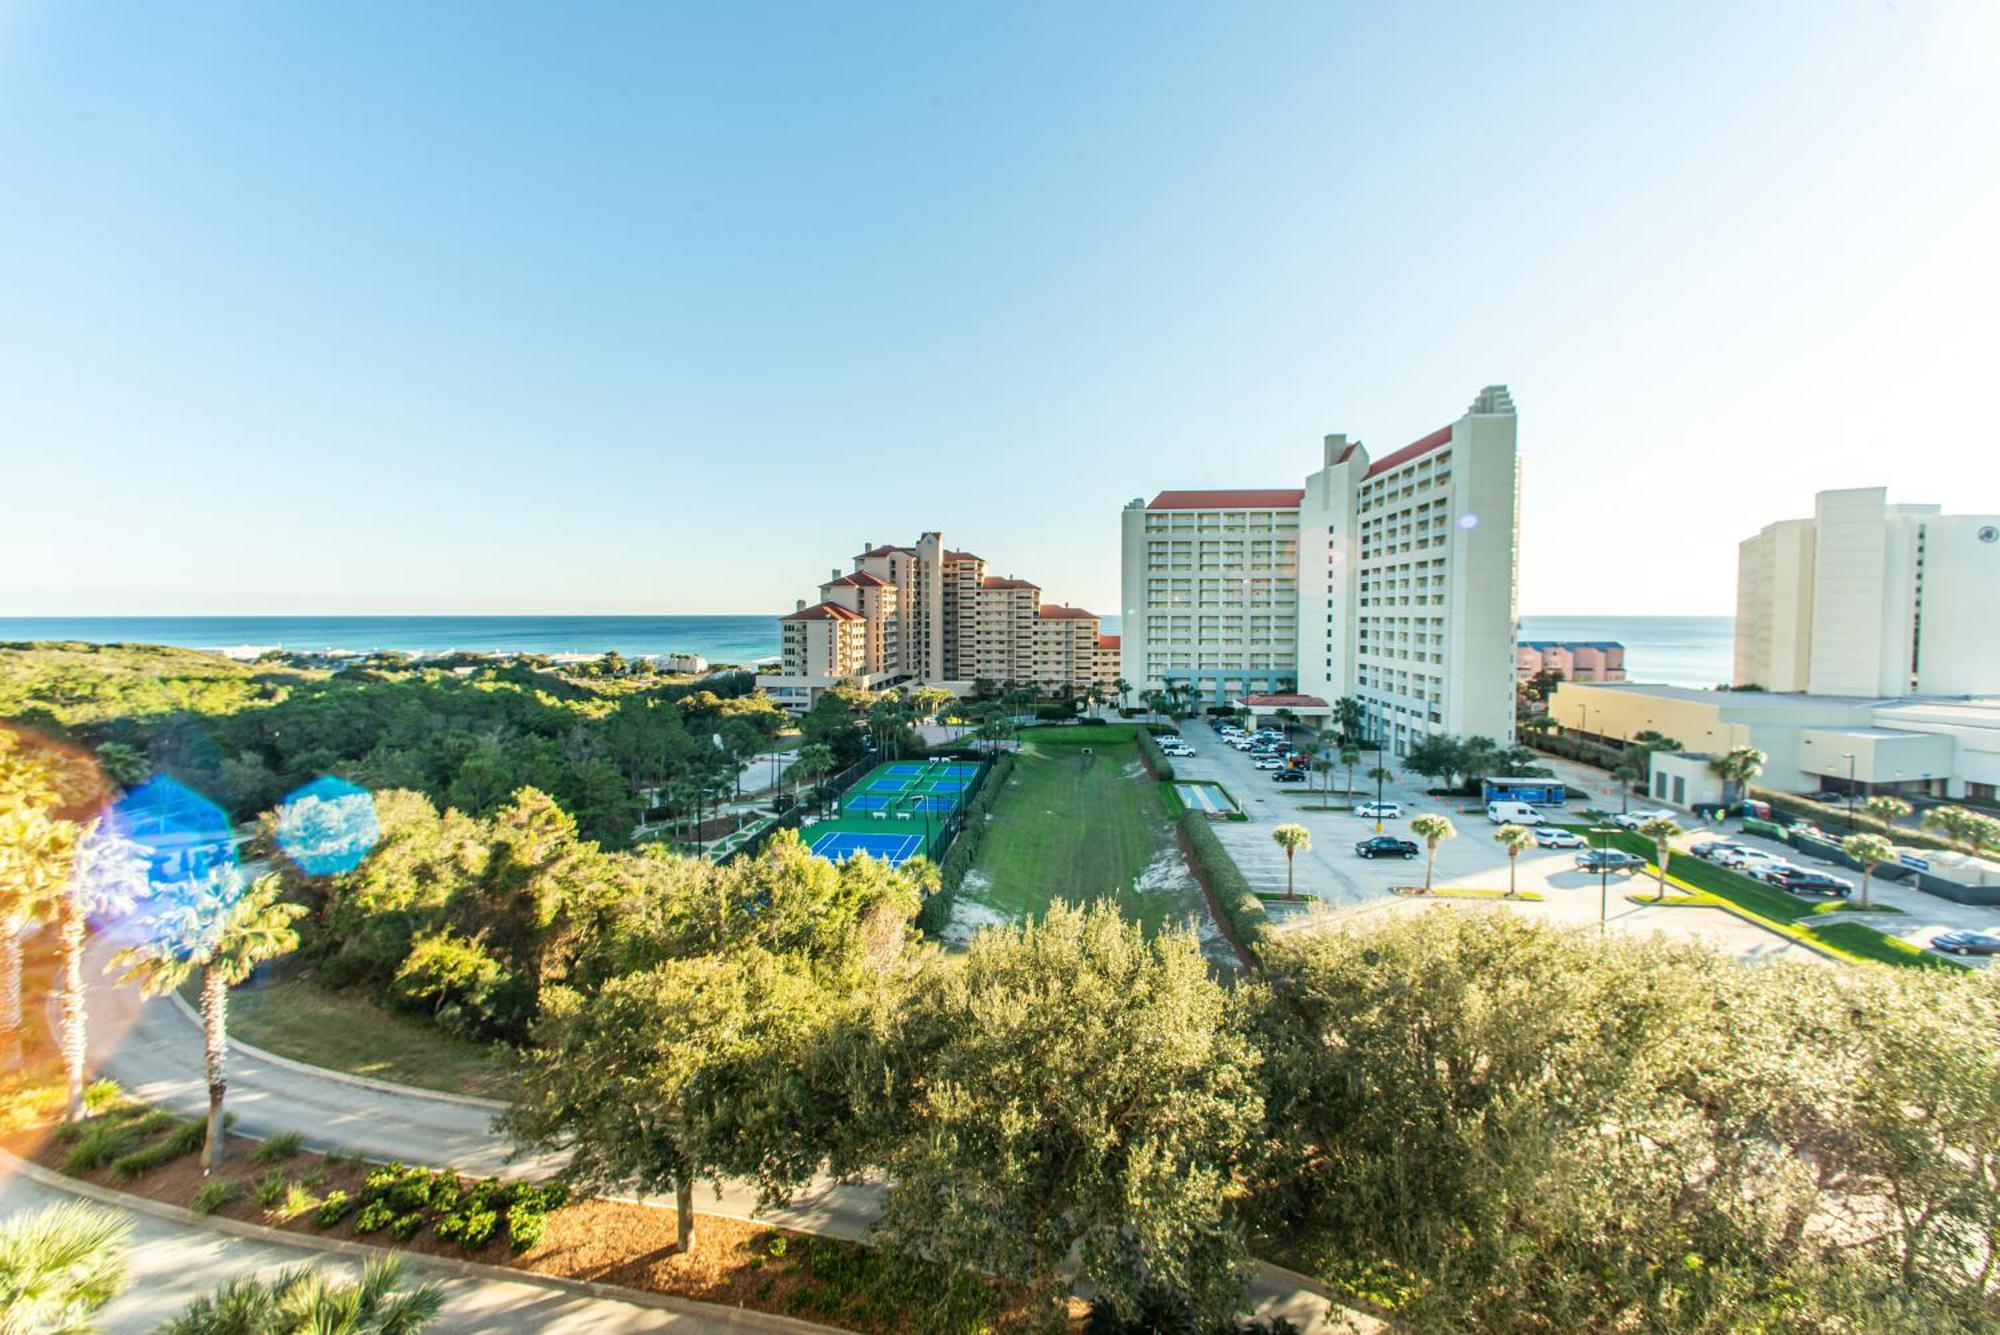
840, 845
912, 798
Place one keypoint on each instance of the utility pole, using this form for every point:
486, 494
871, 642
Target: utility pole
1848, 756
1603, 879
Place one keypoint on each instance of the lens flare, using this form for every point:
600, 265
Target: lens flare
328, 826
183, 837
1468, 521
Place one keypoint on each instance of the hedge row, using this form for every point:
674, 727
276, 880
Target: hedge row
1216, 870
1574, 748
1154, 758
964, 846
1834, 818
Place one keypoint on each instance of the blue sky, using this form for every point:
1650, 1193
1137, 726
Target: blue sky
666, 308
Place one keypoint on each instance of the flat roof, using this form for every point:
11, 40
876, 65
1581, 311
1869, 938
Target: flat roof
1266, 498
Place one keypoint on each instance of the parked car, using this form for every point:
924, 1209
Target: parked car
1802, 881
1967, 943
1772, 871
1386, 846
1380, 810
1289, 776
1547, 836
1512, 813
1711, 850
1608, 859
1270, 762
1632, 820
1242, 743
1744, 859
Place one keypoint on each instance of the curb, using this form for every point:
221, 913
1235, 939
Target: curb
340, 1077
741, 1318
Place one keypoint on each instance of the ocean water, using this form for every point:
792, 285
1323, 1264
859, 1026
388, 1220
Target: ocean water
1670, 651
720, 639
1679, 651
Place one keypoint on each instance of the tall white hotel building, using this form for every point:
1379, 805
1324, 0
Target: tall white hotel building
1391, 580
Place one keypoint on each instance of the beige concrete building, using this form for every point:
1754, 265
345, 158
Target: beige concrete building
929, 615
1390, 579
1870, 599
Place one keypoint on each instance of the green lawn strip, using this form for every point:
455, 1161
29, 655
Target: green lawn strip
1852, 942
1480, 892
295, 1017
1074, 827
1849, 906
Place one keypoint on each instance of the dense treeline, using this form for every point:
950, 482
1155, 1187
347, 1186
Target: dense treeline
1479, 1123
606, 748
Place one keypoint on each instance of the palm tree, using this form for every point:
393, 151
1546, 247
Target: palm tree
302, 1299
1868, 851
815, 759
1294, 839
1433, 829
1956, 824
1886, 809
59, 1265
1737, 770
1662, 830
1124, 690
107, 876
1516, 839
1285, 718
225, 932
1350, 756
36, 851
1985, 834
1381, 774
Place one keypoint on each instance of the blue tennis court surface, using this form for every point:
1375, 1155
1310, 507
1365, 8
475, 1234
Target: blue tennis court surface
903, 771
887, 786
935, 802
839, 846
866, 803
947, 786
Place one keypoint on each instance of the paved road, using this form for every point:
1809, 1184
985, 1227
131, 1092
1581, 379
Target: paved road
172, 1263
154, 1050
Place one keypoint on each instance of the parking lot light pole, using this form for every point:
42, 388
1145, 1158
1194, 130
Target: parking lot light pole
1848, 756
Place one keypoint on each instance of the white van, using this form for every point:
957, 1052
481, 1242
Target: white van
1512, 813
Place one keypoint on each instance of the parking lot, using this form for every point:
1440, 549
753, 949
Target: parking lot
1342, 883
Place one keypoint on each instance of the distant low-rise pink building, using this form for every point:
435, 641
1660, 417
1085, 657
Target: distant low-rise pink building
1577, 660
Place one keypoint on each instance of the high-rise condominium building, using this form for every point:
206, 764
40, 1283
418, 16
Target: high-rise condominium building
928, 615
1391, 580
1870, 599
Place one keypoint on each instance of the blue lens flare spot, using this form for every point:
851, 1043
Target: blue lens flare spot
184, 838
1468, 521
328, 826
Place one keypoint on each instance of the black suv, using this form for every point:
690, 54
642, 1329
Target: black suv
1802, 882
1386, 846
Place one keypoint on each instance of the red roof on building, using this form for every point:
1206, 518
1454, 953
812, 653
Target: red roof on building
823, 612
995, 582
1110, 641
885, 551
1284, 702
860, 579
962, 556
1268, 498
1066, 613
1415, 449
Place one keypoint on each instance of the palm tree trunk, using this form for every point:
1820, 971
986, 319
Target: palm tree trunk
10, 992
215, 1035
73, 1019
1513, 861
1289, 893
684, 1214
1430, 863
1864, 887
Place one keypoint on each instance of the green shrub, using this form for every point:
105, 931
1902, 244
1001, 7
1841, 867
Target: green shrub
213, 1194
314, 1177
186, 1138
342, 1159
270, 1189
333, 1209
140, 1162
524, 1226
480, 1226
1232, 894
278, 1148
374, 1217
99, 1144
297, 1200
100, 1095
1155, 759
774, 1244
150, 1123
406, 1225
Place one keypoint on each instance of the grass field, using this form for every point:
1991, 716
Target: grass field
1077, 826
295, 1017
